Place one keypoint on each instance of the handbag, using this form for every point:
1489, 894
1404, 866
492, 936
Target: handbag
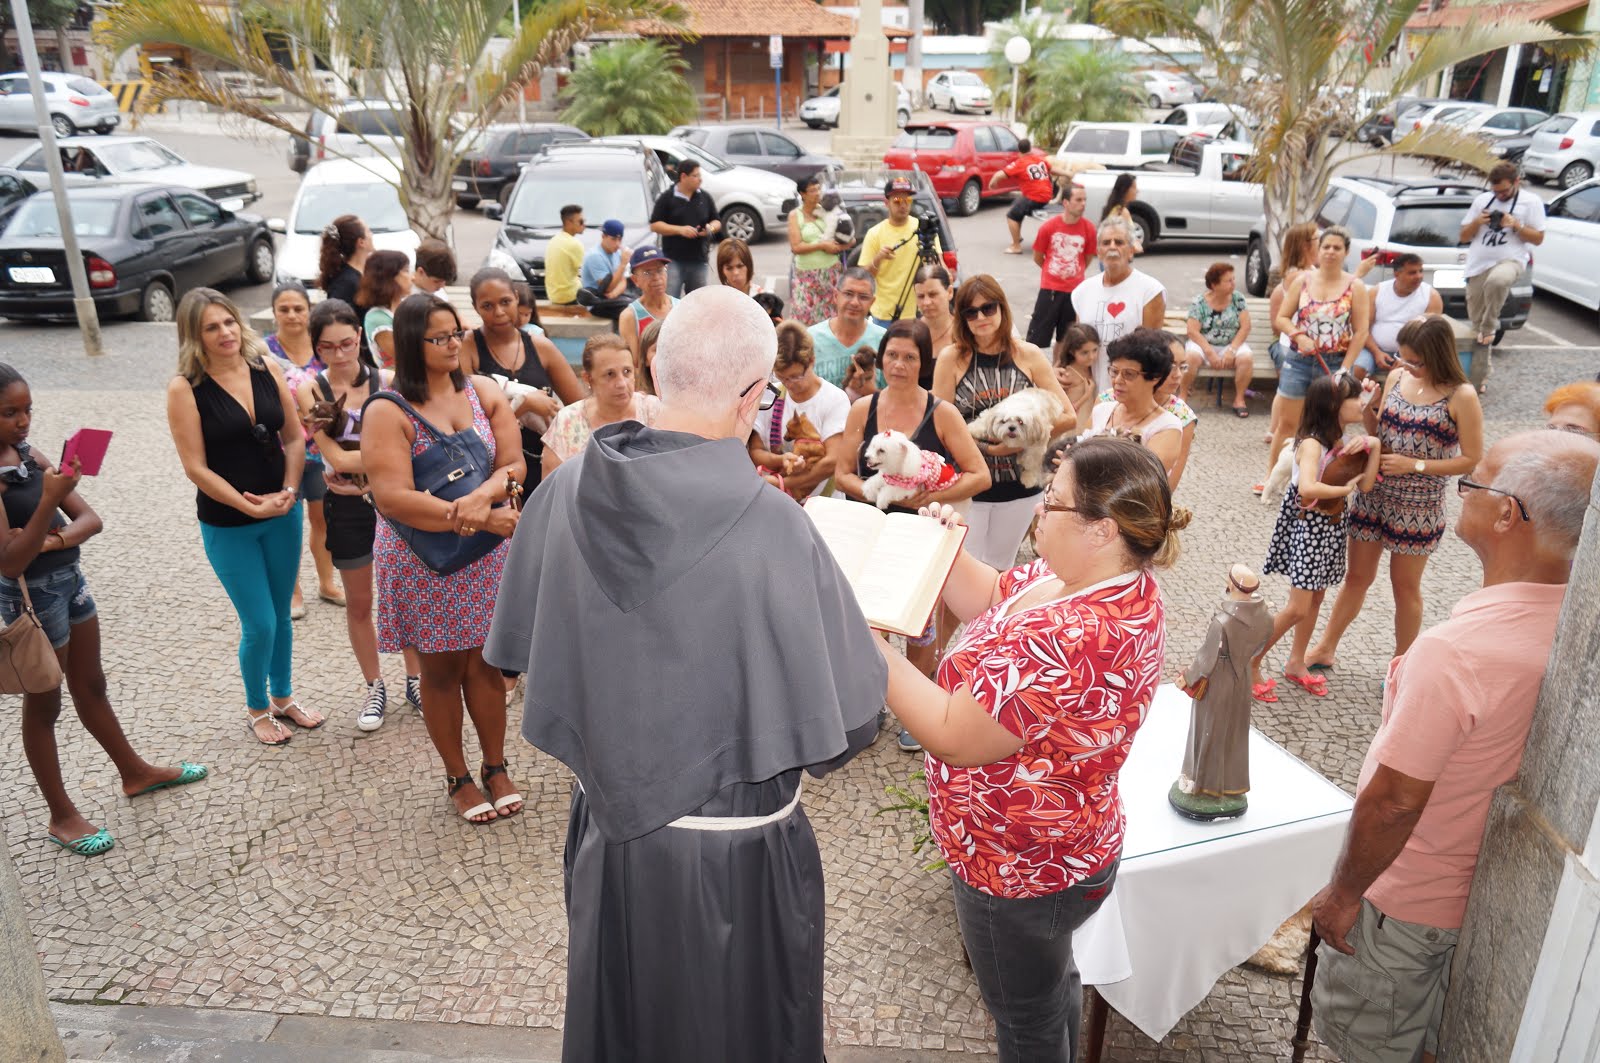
28, 663
453, 468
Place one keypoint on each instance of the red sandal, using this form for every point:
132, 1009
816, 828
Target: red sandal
1264, 691
1316, 685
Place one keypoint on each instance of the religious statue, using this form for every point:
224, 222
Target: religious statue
1216, 763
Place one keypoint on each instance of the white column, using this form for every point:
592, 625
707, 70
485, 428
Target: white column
1508, 75
27, 1031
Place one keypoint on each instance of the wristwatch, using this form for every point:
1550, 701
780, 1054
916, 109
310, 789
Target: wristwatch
1421, 466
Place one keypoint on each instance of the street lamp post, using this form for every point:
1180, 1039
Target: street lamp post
1017, 52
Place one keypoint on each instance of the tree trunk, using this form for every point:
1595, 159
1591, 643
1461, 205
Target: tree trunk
429, 200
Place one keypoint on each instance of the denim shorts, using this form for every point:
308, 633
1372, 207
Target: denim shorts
313, 488
61, 600
1295, 371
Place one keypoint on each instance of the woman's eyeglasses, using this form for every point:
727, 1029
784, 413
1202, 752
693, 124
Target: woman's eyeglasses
343, 346
1464, 485
1051, 506
449, 337
972, 313
768, 397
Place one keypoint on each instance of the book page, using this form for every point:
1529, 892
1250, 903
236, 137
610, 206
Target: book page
849, 528
906, 571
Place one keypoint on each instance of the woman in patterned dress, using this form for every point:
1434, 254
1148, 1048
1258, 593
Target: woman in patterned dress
444, 617
1028, 726
1431, 428
814, 271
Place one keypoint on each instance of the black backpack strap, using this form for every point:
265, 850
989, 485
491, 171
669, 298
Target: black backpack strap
933, 401
325, 388
400, 401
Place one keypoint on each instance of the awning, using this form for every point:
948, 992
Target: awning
1460, 14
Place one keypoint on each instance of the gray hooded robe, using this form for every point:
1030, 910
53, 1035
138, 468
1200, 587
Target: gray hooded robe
690, 646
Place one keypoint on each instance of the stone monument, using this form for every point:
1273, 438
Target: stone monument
867, 98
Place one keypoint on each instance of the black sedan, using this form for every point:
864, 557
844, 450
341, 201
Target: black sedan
495, 158
143, 245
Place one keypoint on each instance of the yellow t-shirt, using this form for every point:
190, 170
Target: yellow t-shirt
563, 259
894, 275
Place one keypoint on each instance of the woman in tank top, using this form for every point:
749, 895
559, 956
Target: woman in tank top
237, 433
985, 365
500, 348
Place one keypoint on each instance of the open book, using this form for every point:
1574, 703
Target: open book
897, 563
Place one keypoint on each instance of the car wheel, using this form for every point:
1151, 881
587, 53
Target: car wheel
741, 223
1153, 102
1257, 267
901, 117
971, 197
466, 202
106, 130
1146, 230
259, 262
63, 125
156, 302
813, 125
1576, 173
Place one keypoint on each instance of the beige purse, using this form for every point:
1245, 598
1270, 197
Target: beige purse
28, 663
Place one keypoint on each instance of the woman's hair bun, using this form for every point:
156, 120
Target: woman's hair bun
1181, 516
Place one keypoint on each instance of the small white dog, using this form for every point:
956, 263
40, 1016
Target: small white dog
1021, 419
903, 470
1278, 479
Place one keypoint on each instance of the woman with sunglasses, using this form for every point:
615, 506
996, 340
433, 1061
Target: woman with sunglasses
985, 364
1431, 427
445, 617
236, 430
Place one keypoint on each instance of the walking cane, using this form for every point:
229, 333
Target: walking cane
1302, 1027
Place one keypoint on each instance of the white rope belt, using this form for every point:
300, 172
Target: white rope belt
739, 822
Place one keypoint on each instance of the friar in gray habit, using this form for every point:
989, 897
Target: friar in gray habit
692, 650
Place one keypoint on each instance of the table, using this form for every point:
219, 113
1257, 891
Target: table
1192, 899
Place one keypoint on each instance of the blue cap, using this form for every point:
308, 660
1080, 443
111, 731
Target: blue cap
612, 227
645, 256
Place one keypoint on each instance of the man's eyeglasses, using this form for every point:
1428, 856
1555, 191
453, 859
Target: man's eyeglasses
972, 313
768, 397
343, 346
444, 341
1464, 485
855, 297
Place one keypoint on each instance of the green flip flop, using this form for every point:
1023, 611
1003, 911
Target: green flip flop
187, 773
1319, 667
94, 844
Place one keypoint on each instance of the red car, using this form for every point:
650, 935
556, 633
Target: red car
960, 157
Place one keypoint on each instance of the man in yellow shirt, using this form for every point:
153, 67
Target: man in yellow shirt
889, 253
563, 257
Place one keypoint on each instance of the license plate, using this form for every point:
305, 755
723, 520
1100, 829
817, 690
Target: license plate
458, 186
32, 274
1449, 278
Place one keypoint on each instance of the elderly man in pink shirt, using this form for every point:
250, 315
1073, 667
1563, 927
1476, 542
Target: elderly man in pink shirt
1456, 712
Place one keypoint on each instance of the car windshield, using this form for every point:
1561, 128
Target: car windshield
375, 202
132, 156
539, 201
90, 217
1426, 226
967, 80
1098, 141
926, 139
711, 162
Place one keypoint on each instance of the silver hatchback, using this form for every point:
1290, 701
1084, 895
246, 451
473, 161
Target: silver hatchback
1565, 149
76, 104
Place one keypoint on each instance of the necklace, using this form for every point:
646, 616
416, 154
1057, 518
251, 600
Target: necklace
1123, 408
514, 363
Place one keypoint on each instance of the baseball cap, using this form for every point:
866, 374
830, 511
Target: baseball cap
611, 227
646, 256
898, 186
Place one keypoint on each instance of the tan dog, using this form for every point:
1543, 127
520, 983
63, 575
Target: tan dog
805, 437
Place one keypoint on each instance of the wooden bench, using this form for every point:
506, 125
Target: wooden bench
1176, 322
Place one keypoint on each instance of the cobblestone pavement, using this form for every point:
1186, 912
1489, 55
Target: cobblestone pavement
328, 877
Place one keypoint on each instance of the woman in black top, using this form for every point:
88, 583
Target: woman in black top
346, 245
39, 546
238, 435
500, 348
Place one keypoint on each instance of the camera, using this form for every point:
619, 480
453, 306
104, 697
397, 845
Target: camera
1496, 219
927, 237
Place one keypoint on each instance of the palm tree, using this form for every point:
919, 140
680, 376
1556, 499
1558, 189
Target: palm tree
632, 86
1077, 84
1293, 65
1039, 30
428, 55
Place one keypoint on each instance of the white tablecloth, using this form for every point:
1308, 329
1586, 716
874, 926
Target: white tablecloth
1193, 899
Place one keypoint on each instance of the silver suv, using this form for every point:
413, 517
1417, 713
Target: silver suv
1388, 217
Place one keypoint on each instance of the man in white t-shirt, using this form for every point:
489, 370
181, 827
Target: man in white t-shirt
825, 405
1120, 298
1394, 302
1499, 229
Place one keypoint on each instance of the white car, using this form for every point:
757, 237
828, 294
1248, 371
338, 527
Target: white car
750, 201
143, 159
75, 103
959, 90
1216, 119
1163, 89
1565, 149
1494, 123
821, 112
1564, 264
1119, 145
367, 188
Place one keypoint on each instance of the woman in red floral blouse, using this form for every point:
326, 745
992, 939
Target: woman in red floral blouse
1033, 715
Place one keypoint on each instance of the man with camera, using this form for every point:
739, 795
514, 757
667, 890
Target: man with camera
1499, 228
685, 217
891, 252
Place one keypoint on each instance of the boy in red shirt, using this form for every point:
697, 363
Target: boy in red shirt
1062, 249
1032, 170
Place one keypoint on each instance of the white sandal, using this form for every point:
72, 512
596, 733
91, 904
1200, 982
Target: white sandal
277, 728
490, 770
456, 783
293, 705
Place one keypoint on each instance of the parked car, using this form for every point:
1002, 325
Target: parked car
1203, 193
1119, 145
1218, 119
15, 188
353, 129
758, 147
1388, 217
958, 90
143, 244
1566, 149
1513, 148
75, 103
1495, 123
1564, 264
1425, 112
364, 187
620, 181
495, 155
959, 157
142, 159
749, 201
822, 112
860, 193
1162, 88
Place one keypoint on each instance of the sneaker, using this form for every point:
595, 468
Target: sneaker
372, 711
414, 692
907, 743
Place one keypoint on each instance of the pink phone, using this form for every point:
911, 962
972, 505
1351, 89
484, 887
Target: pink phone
88, 445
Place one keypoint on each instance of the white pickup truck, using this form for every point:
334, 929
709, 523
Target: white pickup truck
1200, 194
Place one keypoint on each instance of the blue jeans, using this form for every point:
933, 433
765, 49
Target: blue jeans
257, 565
1021, 952
685, 277
61, 601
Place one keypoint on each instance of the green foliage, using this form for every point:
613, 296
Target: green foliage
915, 801
965, 17
631, 86
1062, 82
44, 14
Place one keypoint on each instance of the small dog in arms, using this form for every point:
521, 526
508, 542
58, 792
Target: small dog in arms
903, 470
1022, 419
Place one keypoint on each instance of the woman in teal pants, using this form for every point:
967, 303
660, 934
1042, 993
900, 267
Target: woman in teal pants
238, 434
